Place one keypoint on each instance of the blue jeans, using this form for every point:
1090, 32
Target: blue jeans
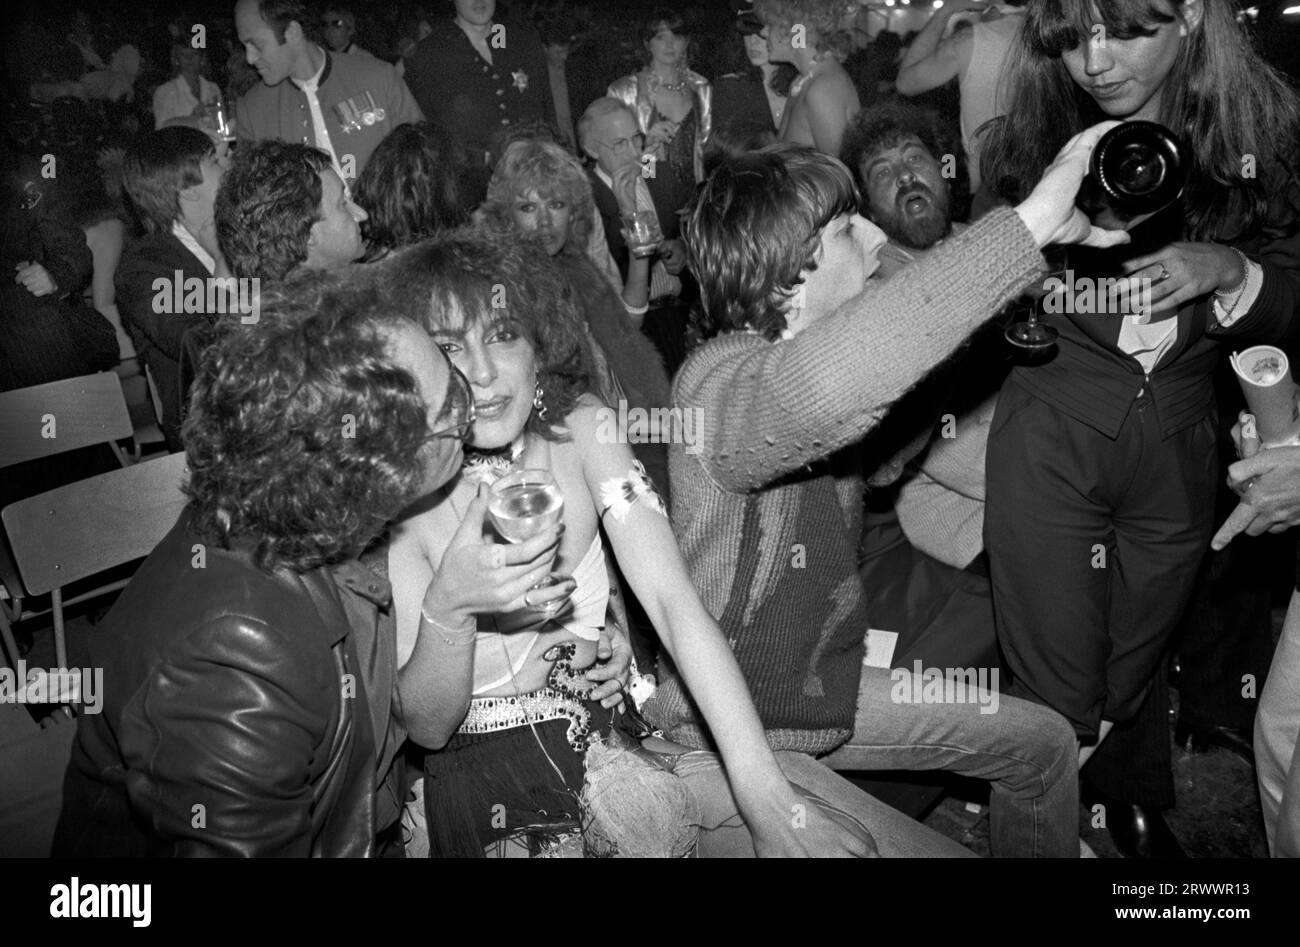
1026, 751
723, 833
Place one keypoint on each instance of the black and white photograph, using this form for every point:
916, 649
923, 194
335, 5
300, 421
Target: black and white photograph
445, 429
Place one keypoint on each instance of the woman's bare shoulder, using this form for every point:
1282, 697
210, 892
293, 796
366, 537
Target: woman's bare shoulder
834, 84
587, 414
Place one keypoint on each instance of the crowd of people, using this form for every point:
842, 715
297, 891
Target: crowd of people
736, 308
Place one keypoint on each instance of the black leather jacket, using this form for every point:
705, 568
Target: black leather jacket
236, 718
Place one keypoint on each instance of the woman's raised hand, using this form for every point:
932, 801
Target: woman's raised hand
1049, 210
479, 576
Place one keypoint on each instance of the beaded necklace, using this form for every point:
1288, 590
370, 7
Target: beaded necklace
680, 84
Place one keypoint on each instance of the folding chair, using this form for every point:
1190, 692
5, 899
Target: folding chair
50, 419
78, 531
61, 416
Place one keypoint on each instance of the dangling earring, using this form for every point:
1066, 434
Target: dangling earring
538, 404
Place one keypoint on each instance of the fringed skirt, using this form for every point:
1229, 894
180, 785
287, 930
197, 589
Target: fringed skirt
493, 783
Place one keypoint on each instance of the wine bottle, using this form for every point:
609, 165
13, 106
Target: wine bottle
1137, 169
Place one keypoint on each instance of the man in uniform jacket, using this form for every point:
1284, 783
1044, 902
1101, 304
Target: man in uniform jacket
473, 76
344, 105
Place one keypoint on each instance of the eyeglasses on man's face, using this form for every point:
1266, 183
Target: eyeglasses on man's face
460, 404
621, 146
334, 24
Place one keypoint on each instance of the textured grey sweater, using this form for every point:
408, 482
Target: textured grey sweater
767, 503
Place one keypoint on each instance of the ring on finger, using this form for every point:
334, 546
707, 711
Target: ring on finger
527, 604
1164, 273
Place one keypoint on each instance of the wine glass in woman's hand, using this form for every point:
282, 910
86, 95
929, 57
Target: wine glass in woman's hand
524, 504
477, 576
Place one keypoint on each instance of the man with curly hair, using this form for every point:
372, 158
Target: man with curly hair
910, 177
250, 665
283, 208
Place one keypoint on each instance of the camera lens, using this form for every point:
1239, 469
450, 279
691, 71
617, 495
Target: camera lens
1138, 169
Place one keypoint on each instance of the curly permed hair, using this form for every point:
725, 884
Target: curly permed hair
269, 199
823, 16
303, 435
552, 171
492, 275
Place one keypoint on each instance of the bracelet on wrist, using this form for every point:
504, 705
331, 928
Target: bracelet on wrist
1237, 291
1245, 276
452, 636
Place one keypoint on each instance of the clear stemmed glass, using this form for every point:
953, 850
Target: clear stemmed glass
1029, 333
524, 504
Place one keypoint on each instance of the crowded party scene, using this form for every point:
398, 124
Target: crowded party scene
627, 428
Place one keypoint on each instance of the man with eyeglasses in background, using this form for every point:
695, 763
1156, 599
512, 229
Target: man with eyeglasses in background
624, 182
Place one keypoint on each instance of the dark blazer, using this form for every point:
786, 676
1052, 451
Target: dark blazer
238, 691
48, 338
157, 332
1091, 380
457, 90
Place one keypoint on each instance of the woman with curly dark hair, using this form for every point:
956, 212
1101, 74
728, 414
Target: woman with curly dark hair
500, 693
410, 188
1105, 455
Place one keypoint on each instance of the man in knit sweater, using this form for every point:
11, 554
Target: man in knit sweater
767, 503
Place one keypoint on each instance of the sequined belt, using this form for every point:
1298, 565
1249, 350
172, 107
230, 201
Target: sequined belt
560, 701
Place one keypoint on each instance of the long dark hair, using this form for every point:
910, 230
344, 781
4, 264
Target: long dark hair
410, 188
1226, 102
666, 18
